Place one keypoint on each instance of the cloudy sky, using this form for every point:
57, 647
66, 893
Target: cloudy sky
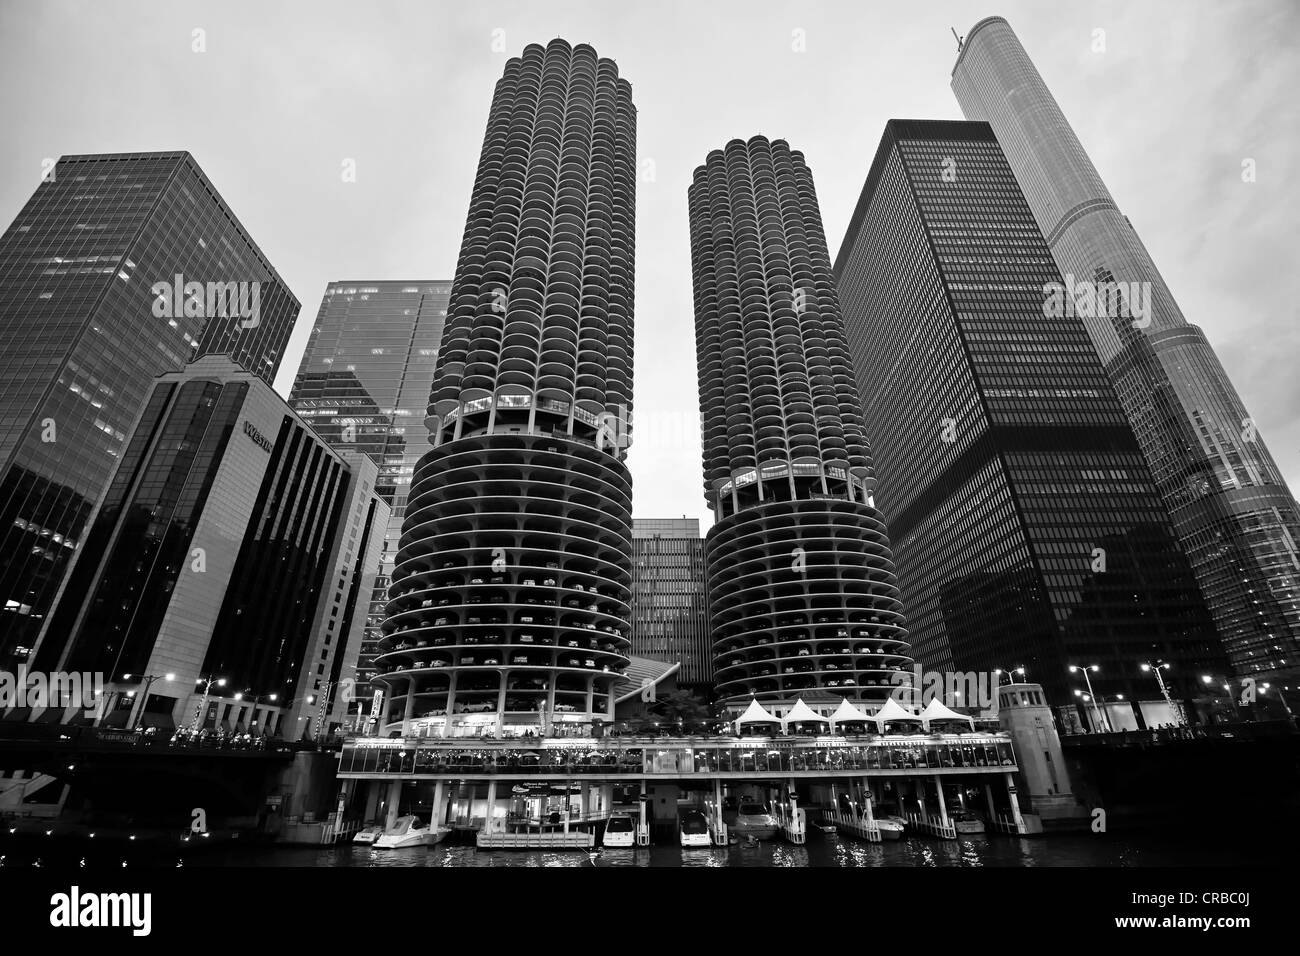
286, 92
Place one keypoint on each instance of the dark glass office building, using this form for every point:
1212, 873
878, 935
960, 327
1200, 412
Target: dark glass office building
1235, 517
1027, 528
232, 543
509, 603
802, 596
670, 612
364, 386
119, 268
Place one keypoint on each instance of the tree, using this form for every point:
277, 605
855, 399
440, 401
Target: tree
680, 707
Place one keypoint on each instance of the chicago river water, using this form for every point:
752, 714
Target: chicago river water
821, 850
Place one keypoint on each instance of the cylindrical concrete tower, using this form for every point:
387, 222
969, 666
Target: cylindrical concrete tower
801, 580
509, 603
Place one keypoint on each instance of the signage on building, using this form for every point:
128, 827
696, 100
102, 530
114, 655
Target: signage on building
258, 437
376, 708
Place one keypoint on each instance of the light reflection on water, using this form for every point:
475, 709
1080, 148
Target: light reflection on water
1165, 848
822, 850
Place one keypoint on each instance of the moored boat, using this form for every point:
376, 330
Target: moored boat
409, 831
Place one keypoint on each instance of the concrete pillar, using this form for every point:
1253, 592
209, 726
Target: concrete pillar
451, 699
409, 709
943, 806
501, 701
439, 804
392, 799
372, 801
591, 693
565, 806
584, 800
866, 804
1015, 804
490, 817
988, 800
920, 799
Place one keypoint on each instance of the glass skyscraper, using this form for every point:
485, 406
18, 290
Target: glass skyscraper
1027, 528
364, 385
232, 543
802, 595
119, 268
1232, 510
670, 614
510, 599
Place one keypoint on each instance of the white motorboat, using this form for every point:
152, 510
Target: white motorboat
368, 836
619, 831
966, 822
693, 827
754, 820
891, 827
408, 832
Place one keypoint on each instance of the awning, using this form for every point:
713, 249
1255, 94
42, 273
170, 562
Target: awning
935, 710
801, 713
755, 714
846, 713
892, 711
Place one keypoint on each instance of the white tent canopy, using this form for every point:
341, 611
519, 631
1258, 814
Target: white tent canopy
755, 714
892, 710
801, 713
846, 713
935, 710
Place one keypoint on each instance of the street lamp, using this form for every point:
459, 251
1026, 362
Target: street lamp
147, 680
1105, 717
207, 683
998, 671
1209, 681
1156, 668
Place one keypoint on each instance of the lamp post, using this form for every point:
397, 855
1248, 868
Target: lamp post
147, 680
207, 683
1156, 668
1105, 718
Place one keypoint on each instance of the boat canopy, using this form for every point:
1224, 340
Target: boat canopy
935, 710
801, 713
756, 714
846, 713
893, 710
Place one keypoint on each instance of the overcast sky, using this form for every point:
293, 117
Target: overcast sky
286, 92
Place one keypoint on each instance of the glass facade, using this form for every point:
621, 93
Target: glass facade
364, 386
282, 564
83, 334
139, 542
1232, 511
214, 555
670, 616
1027, 527
802, 596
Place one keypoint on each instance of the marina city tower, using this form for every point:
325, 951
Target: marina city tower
510, 597
802, 592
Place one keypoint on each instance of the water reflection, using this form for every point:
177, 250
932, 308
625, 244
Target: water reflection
822, 850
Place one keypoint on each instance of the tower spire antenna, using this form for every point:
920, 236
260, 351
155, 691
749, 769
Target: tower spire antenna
954, 33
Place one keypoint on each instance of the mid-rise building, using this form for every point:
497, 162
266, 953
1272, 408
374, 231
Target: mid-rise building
670, 613
1027, 529
1232, 511
364, 386
119, 268
229, 562
802, 596
510, 599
